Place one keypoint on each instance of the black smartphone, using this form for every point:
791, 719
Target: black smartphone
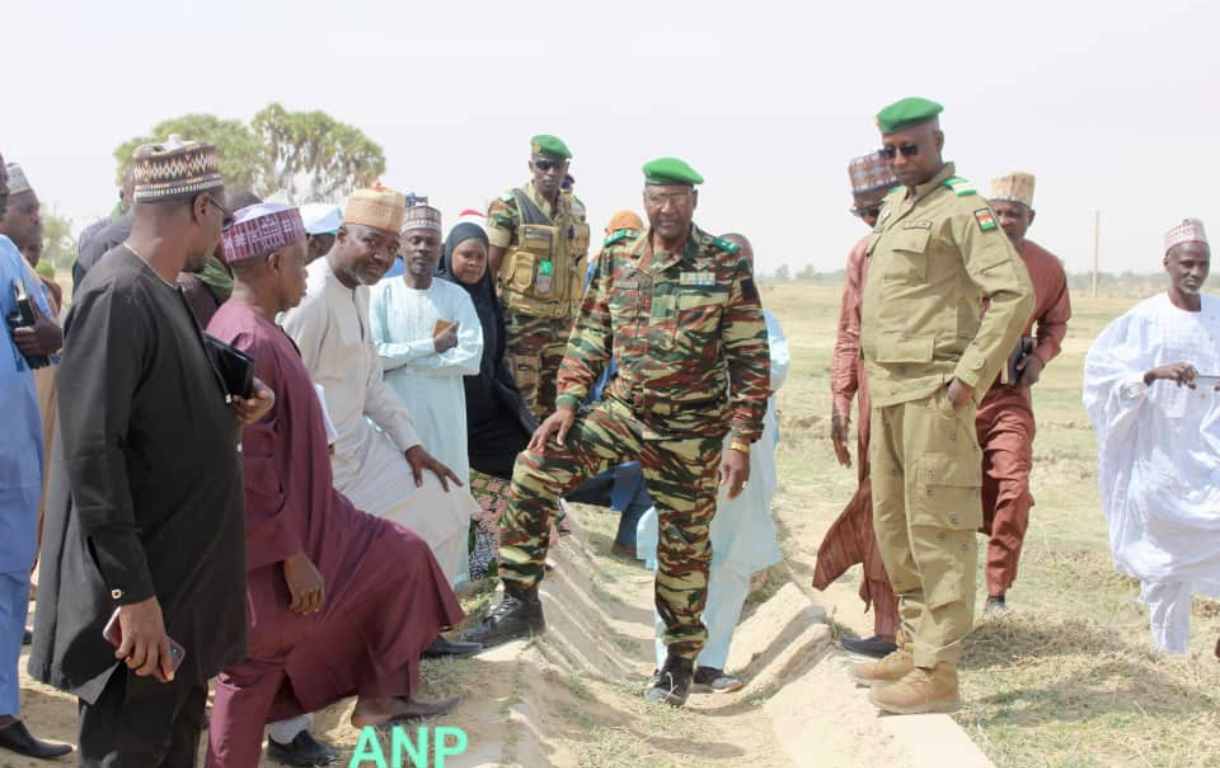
23, 317
113, 633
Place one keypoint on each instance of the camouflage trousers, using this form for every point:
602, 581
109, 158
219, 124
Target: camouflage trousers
682, 478
535, 348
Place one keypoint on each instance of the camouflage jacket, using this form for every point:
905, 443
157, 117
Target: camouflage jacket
685, 328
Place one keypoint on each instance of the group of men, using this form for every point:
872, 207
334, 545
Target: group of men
302, 546
1004, 422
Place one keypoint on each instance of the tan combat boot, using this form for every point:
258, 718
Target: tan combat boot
891, 669
921, 691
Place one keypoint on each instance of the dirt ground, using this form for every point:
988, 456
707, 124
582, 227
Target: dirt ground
1067, 679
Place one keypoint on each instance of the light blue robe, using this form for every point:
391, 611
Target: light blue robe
743, 533
21, 464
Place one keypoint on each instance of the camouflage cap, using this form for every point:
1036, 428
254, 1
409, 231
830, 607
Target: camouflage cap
671, 170
545, 144
906, 113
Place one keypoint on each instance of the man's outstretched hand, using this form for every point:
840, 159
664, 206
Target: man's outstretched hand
557, 425
420, 460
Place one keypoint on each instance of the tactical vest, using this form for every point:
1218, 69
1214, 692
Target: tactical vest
542, 274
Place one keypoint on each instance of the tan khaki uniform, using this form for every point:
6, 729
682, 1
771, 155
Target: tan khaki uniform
935, 254
540, 284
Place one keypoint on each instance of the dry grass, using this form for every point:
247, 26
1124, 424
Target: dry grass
1069, 677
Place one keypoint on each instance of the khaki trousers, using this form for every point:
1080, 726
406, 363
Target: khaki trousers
926, 478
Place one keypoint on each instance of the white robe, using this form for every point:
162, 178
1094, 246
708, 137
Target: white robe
1159, 456
429, 385
330, 327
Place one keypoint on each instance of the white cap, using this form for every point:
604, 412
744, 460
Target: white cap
321, 218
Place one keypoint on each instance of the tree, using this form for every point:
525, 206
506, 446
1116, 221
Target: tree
242, 157
58, 245
303, 156
783, 274
808, 272
315, 151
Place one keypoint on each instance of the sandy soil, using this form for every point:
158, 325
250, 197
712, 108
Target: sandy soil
572, 697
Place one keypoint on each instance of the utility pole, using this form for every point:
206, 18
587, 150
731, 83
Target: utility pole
1096, 249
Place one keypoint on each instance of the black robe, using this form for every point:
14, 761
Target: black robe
150, 501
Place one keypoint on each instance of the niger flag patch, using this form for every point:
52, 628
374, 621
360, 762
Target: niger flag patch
986, 219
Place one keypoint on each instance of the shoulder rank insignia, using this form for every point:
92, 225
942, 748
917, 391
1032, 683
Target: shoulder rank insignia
618, 236
961, 187
725, 245
985, 219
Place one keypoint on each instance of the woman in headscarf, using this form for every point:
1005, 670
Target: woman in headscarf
498, 423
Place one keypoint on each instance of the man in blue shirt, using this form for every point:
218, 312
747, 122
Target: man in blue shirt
21, 467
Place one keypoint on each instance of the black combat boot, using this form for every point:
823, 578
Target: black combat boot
517, 615
671, 684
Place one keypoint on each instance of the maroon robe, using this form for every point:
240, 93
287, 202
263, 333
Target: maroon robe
385, 596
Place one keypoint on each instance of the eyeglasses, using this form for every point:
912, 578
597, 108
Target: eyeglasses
907, 150
866, 213
227, 216
548, 165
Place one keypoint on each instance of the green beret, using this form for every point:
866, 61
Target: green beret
908, 112
545, 144
671, 170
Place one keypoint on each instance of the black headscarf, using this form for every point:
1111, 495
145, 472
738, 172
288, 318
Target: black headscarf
497, 419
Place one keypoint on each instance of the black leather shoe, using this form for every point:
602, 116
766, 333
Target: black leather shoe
671, 685
455, 649
874, 647
517, 615
303, 751
27, 638
16, 738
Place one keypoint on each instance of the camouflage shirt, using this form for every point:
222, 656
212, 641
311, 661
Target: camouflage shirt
685, 329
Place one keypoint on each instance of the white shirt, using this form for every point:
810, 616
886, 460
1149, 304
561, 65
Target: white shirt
331, 328
403, 320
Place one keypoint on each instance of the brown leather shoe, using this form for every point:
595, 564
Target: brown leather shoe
920, 692
890, 669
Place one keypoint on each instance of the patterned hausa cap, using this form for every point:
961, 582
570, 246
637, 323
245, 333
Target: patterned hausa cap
260, 230
380, 208
1189, 231
870, 173
175, 168
420, 215
1016, 187
17, 182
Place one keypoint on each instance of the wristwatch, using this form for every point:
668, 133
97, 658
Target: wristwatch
740, 445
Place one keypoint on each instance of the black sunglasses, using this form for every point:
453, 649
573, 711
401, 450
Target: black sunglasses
547, 165
907, 150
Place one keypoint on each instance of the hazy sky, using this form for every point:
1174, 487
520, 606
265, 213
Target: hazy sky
1113, 109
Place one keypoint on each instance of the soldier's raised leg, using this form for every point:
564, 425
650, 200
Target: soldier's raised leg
682, 477
598, 439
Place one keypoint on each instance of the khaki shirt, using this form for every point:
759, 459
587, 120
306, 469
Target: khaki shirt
935, 255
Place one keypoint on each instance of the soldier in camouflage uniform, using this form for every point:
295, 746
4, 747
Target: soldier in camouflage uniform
679, 310
539, 241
